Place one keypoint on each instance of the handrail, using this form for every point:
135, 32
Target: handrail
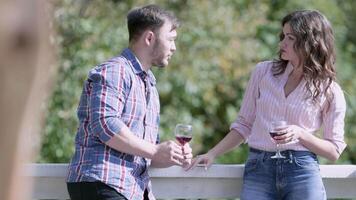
219, 181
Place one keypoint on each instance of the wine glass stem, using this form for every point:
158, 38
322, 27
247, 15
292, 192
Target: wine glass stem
278, 151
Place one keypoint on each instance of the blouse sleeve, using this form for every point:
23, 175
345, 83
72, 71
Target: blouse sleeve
333, 119
247, 114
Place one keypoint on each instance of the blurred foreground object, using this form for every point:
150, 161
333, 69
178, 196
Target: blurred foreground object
26, 69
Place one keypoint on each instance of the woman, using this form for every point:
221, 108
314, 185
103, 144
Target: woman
298, 88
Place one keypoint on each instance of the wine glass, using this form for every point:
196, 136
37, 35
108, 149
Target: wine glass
183, 133
275, 130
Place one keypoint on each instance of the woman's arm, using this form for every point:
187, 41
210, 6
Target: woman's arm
231, 140
332, 144
322, 147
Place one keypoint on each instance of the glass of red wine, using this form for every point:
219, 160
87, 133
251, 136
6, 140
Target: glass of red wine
276, 129
183, 133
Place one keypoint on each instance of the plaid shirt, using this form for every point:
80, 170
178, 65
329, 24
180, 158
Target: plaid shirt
117, 93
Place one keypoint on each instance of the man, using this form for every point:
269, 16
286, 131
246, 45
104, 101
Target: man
117, 138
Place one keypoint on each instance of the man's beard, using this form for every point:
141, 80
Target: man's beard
158, 57
158, 62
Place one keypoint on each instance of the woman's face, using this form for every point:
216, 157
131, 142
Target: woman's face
286, 45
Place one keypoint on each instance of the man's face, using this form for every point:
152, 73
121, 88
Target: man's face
164, 46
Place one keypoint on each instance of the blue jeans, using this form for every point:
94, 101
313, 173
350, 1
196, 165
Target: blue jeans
296, 177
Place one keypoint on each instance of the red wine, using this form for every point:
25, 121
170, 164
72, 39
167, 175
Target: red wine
183, 139
276, 133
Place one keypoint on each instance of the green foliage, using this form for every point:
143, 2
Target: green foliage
218, 45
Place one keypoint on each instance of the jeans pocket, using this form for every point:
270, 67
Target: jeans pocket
306, 162
251, 165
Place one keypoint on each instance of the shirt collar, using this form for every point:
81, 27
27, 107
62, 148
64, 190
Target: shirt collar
137, 67
289, 69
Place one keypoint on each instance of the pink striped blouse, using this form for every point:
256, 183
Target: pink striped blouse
265, 101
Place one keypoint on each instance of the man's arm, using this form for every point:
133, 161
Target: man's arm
109, 87
164, 154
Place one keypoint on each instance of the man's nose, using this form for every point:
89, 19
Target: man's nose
173, 47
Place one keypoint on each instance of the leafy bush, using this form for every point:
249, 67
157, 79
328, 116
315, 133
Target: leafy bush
218, 44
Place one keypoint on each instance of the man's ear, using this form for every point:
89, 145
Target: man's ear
149, 37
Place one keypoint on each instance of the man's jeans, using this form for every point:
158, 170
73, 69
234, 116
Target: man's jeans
92, 191
296, 177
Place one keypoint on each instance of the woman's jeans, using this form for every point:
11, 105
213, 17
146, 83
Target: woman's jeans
296, 177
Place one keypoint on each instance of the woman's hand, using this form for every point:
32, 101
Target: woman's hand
205, 159
292, 134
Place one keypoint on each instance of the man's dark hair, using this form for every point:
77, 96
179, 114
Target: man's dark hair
150, 17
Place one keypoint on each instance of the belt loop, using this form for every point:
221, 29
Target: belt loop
290, 156
264, 155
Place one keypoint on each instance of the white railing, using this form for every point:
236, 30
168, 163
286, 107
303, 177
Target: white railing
219, 181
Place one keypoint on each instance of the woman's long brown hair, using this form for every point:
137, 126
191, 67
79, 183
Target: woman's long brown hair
315, 48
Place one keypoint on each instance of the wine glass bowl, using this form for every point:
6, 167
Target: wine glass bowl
183, 133
275, 130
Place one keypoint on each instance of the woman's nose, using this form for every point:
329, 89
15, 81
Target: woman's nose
281, 43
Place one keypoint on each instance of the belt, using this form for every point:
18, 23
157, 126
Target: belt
285, 152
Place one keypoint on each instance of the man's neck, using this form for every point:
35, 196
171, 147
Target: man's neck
142, 56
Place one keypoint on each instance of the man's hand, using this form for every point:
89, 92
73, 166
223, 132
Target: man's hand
187, 155
170, 153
